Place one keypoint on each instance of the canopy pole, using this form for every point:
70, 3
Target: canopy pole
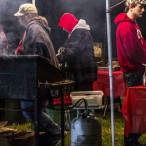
109, 43
33, 2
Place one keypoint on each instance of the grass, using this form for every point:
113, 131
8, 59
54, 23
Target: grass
26, 127
106, 129
118, 129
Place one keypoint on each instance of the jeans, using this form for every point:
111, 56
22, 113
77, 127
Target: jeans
46, 124
26, 106
134, 79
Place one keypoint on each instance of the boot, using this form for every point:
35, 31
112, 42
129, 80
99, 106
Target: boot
132, 140
53, 130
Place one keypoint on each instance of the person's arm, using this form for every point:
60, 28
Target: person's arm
75, 45
134, 49
40, 49
38, 41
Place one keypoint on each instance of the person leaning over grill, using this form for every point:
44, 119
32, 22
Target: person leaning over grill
78, 52
131, 49
36, 40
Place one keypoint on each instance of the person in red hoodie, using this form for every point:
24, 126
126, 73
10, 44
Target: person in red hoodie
131, 51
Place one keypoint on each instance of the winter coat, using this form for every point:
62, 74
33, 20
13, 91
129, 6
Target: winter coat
36, 41
130, 44
79, 53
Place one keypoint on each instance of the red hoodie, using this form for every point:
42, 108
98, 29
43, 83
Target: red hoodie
130, 44
68, 21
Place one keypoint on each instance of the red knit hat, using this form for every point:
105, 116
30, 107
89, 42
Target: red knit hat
68, 21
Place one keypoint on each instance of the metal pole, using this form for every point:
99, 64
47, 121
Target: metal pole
117, 4
33, 2
36, 118
62, 117
109, 43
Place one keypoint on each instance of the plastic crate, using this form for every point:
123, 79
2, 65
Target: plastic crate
94, 98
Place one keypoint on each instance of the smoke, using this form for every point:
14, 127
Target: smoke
94, 12
10, 24
8, 8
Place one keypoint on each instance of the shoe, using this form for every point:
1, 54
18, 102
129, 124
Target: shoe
134, 144
56, 140
51, 140
65, 133
139, 144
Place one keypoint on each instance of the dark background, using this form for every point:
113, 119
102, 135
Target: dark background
93, 11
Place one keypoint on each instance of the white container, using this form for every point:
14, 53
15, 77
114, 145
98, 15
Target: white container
94, 98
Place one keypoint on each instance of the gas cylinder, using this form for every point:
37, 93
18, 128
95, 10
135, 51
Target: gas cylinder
86, 130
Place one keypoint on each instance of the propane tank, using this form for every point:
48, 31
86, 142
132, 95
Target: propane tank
86, 130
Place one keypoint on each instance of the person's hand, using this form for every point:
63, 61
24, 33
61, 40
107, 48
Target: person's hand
60, 51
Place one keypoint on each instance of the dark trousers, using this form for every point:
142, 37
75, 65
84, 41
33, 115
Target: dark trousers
46, 124
133, 79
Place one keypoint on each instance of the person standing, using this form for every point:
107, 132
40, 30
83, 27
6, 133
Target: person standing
131, 51
36, 41
78, 52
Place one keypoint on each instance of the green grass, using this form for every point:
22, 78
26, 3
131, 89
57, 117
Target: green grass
118, 129
26, 127
106, 129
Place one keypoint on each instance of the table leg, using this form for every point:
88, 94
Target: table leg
36, 122
107, 102
62, 119
106, 105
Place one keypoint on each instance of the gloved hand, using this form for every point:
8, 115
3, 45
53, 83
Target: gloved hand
60, 51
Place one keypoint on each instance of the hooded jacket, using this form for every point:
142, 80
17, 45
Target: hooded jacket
36, 41
130, 44
68, 21
79, 53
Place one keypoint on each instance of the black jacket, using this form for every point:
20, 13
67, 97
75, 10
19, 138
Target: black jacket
37, 41
79, 54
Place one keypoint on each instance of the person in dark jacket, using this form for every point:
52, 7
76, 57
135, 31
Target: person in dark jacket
131, 48
36, 41
78, 51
